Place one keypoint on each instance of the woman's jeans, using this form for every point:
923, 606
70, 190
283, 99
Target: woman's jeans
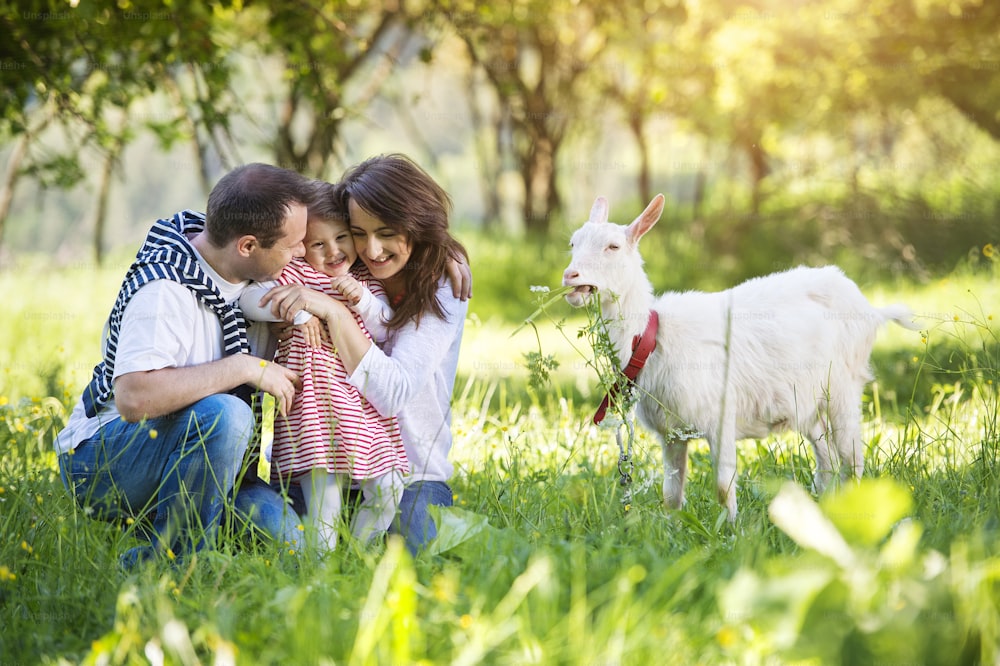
180, 469
414, 521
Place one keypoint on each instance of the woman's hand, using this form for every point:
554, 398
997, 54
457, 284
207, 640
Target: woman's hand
460, 276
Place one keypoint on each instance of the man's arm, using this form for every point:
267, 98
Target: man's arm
154, 393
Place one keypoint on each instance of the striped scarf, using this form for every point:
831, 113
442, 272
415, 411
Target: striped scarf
166, 254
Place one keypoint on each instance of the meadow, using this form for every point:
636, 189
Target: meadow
539, 561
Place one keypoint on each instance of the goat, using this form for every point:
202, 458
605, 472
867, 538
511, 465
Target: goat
784, 351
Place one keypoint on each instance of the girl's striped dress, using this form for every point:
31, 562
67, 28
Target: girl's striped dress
330, 425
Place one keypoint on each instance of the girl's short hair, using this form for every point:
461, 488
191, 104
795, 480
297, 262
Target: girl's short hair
396, 191
326, 205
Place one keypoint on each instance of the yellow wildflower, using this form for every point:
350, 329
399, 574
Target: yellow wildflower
3, 401
26, 546
727, 637
170, 554
465, 621
989, 251
153, 434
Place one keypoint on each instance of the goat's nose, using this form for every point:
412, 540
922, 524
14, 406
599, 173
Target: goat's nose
570, 274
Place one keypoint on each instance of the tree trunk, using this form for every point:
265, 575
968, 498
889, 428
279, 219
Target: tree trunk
10, 177
635, 123
758, 171
488, 163
103, 191
541, 197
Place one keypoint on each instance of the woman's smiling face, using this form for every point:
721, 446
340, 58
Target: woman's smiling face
384, 250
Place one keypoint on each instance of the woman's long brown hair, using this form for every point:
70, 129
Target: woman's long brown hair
401, 195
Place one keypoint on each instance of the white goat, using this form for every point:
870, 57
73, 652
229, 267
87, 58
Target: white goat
784, 351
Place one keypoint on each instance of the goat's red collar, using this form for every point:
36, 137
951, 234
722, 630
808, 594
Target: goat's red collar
642, 347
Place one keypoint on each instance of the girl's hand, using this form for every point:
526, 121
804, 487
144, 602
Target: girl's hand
313, 331
351, 289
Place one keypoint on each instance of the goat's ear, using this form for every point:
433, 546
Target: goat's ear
599, 211
646, 220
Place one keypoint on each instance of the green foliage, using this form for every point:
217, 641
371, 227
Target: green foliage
537, 561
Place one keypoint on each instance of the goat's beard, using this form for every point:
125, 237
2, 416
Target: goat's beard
581, 295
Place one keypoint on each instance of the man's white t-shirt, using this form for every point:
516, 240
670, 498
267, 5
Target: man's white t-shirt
164, 326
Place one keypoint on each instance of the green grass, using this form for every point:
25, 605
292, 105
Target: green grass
539, 562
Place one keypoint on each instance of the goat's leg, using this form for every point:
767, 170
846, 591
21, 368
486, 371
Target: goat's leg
820, 436
675, 455
846, 420
724, 457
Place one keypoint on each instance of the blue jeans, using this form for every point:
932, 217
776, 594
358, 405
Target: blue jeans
414, 521
180, 468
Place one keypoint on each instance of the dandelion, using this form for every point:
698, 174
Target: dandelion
291, 551
300, 527
3, 401
465, 621
153, 434
989, 251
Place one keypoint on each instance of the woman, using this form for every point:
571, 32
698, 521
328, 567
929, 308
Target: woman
399, 221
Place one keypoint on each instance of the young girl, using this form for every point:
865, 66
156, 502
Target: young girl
332, 434
399, 220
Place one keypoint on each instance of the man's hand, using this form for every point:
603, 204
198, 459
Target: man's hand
277, 380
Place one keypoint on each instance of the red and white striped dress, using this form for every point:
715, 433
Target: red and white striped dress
330, 425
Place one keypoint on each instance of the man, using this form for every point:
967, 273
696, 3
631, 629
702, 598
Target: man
158, 430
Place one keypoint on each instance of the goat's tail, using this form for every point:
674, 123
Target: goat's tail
900, 314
